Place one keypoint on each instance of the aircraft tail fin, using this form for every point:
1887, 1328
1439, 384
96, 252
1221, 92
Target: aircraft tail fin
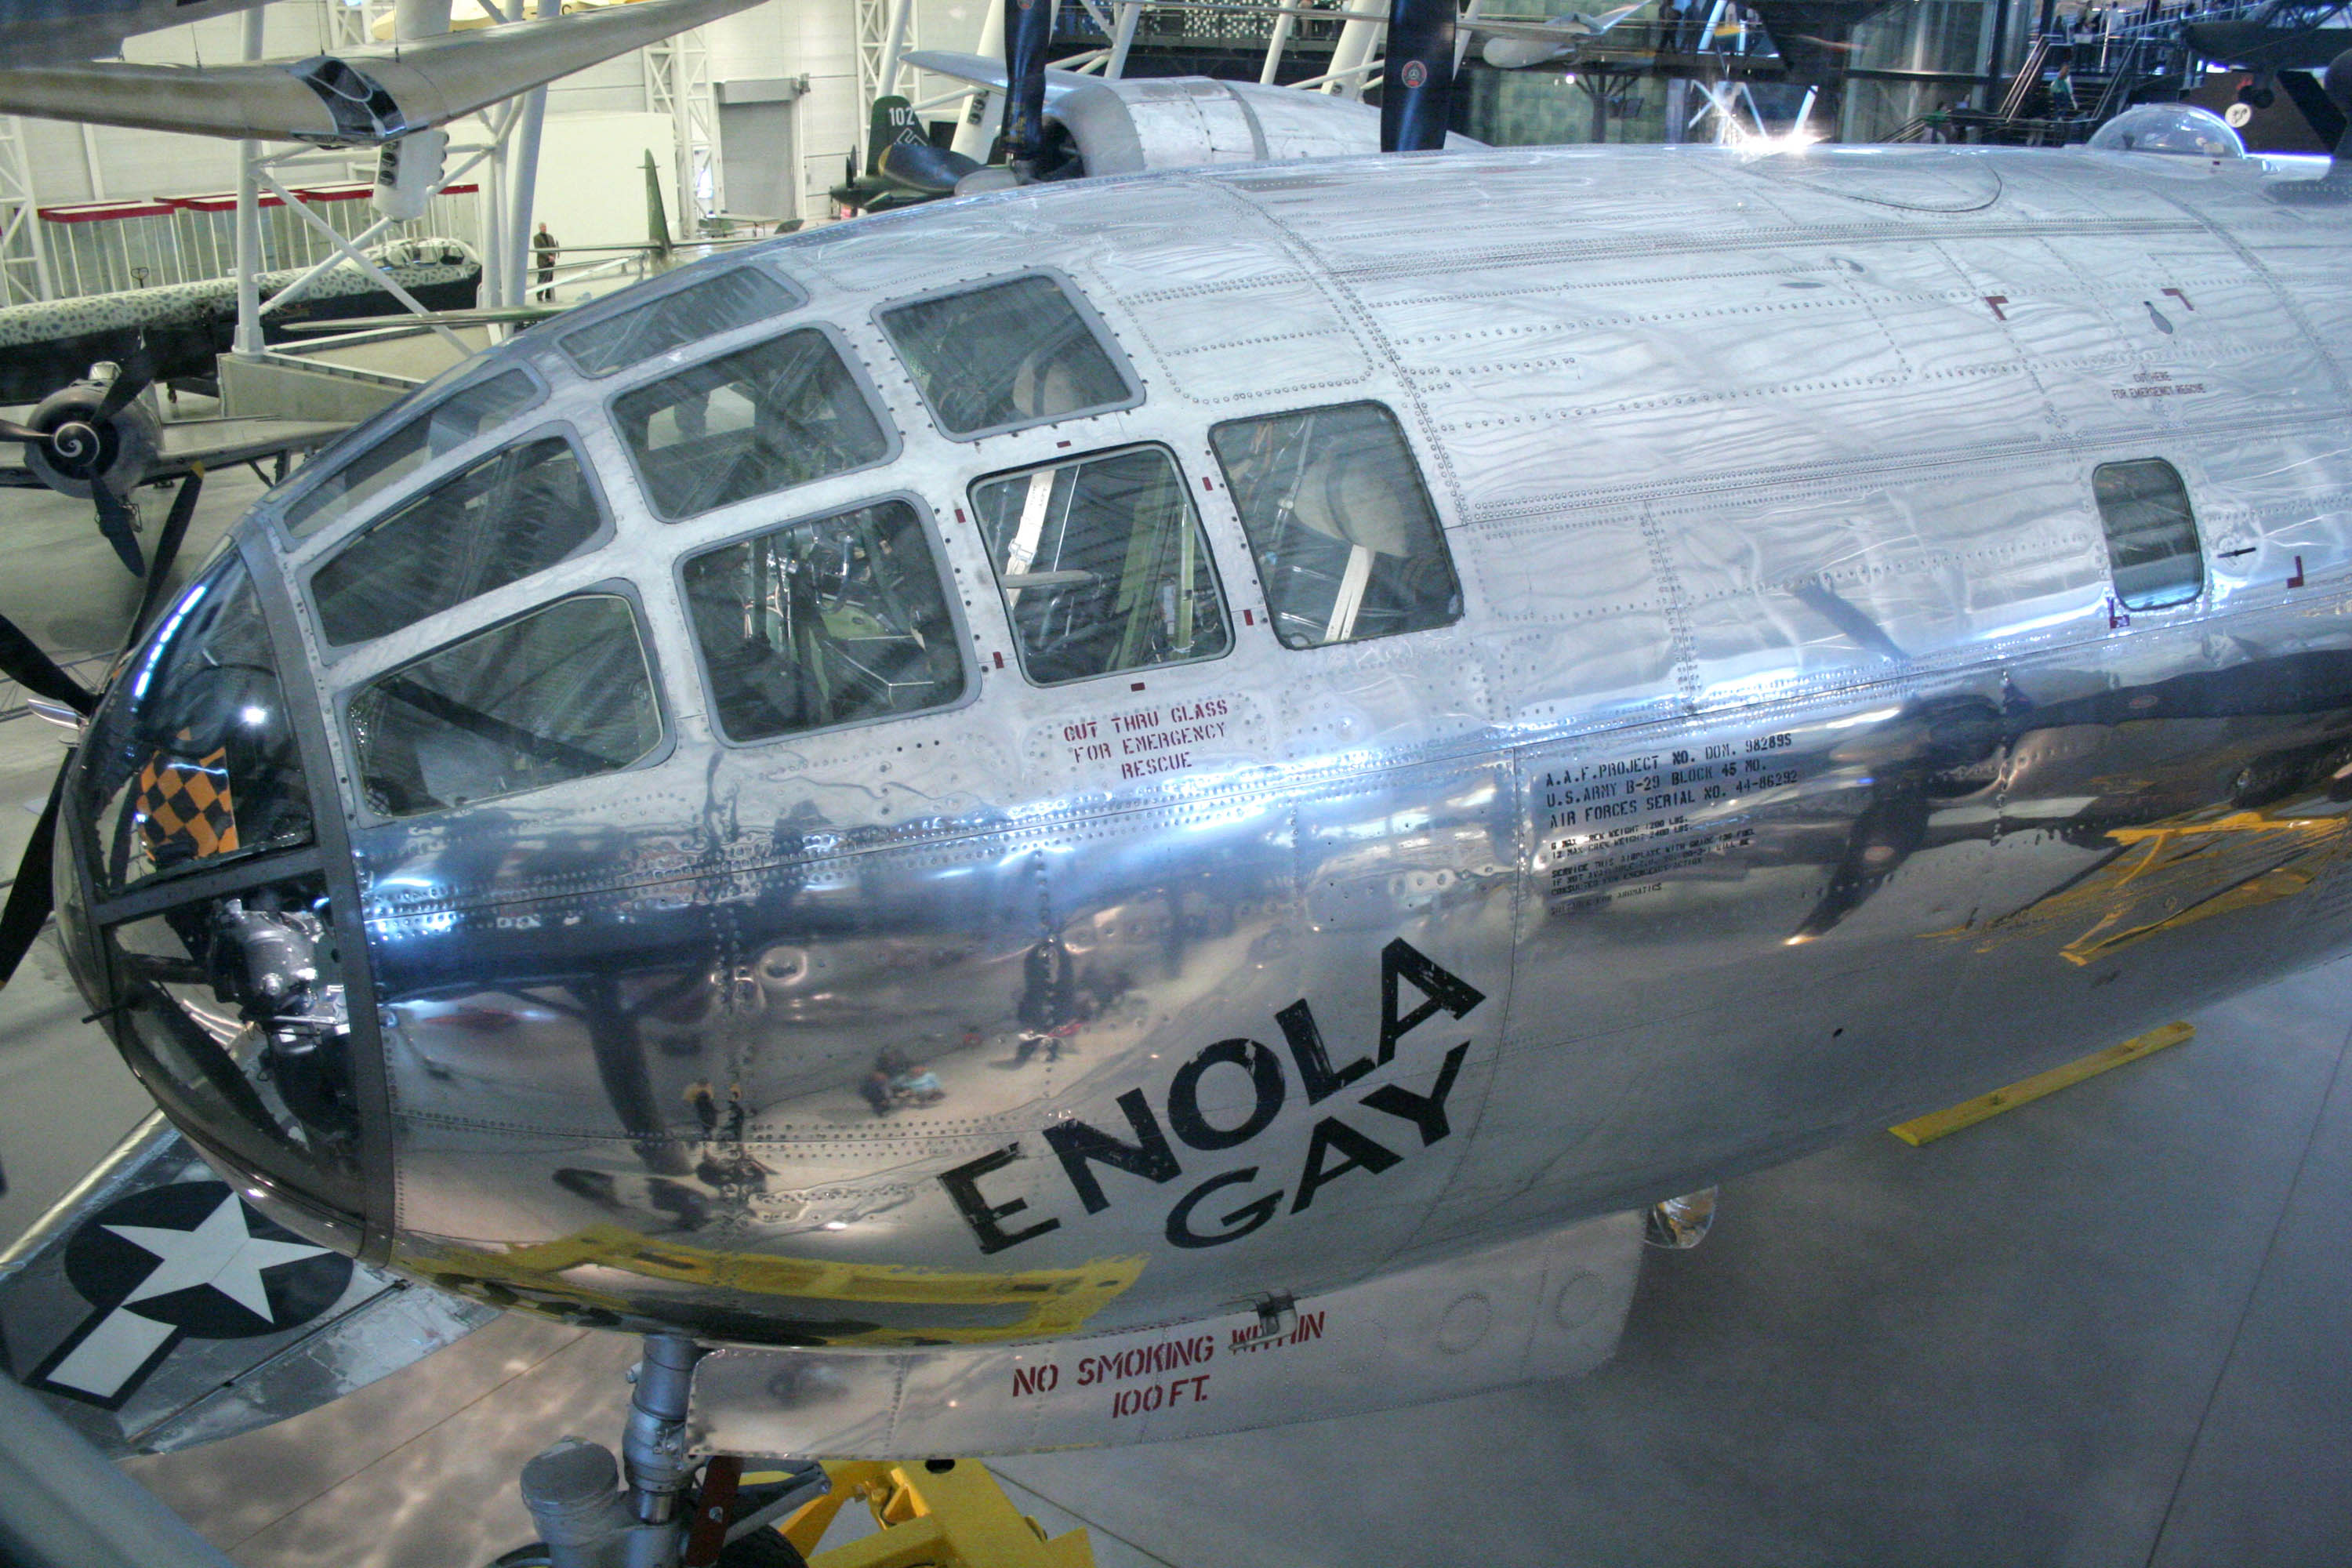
656, 211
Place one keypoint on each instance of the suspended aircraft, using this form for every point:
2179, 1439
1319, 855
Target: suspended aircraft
1094, 127
84, 361
1135, 807
1515, 46
363, 97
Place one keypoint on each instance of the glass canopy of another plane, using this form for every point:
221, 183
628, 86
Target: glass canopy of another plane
761, 419
703, 309
1010, 354
1103, 565
498, 519
441, 430
823, 623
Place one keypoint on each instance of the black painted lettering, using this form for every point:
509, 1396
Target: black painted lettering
1362, 1153
1185, 1095
1315, 1074
963, 1185
1425, 1112
1238, 1224
1442, 991
1149, 1156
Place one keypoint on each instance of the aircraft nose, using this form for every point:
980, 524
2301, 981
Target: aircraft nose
199, 914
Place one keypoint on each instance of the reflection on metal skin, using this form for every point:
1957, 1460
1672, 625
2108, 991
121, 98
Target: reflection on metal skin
1793, 767
1680, 1223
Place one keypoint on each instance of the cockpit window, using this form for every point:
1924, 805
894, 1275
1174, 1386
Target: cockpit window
824, 623
2151, 533
495, 522
1010, 354
1103, 565
564, 692
192, 762
440, 429
761, 419
719, 304
1347, 544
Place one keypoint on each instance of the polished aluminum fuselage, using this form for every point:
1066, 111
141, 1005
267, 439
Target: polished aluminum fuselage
1695, 876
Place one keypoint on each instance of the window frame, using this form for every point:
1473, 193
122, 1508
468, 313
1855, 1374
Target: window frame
354, 791
382, 424
1104, 339
2107, 538
330, 653
967, 655
894, 441
645, 294
1249, 543
1193, 511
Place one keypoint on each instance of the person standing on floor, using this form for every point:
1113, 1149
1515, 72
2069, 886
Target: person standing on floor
543, 252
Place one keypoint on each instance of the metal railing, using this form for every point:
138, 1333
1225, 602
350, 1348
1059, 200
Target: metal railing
99, 247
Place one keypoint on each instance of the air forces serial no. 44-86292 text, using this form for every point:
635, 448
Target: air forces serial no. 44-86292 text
1149, 805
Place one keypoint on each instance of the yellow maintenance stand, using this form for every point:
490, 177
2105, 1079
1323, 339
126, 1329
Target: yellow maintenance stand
932, 1513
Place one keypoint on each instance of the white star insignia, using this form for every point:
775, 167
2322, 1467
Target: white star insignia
221, 1253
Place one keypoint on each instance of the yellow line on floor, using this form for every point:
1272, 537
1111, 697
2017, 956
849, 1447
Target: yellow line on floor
1969, 1112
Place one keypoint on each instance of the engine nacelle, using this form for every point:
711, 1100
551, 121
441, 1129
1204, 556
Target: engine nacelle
1127, 126
84, 449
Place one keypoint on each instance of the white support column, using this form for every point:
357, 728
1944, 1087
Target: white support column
985, 113
23, 255
1463, 33
1276, 41
1123, 39
493, 293
1352, 55
525, 180
246, 344
348, 24
678, 83
902, 35
870, 20
344, 249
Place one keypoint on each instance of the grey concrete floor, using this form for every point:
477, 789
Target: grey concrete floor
2108, 1328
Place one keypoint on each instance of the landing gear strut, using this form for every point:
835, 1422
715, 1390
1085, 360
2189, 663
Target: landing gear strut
661, 1519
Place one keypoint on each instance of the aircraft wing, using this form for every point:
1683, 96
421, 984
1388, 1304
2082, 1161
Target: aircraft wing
155, 1308
373, 96
212, 443
1566, 30
982, 71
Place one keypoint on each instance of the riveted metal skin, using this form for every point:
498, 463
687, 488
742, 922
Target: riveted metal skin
1793, 767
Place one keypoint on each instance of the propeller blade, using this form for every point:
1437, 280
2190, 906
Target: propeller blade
12, 431
129, 380
1028, 35
167, 551
23, 662
920, 166
30, 901
1417, 76
119, 525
